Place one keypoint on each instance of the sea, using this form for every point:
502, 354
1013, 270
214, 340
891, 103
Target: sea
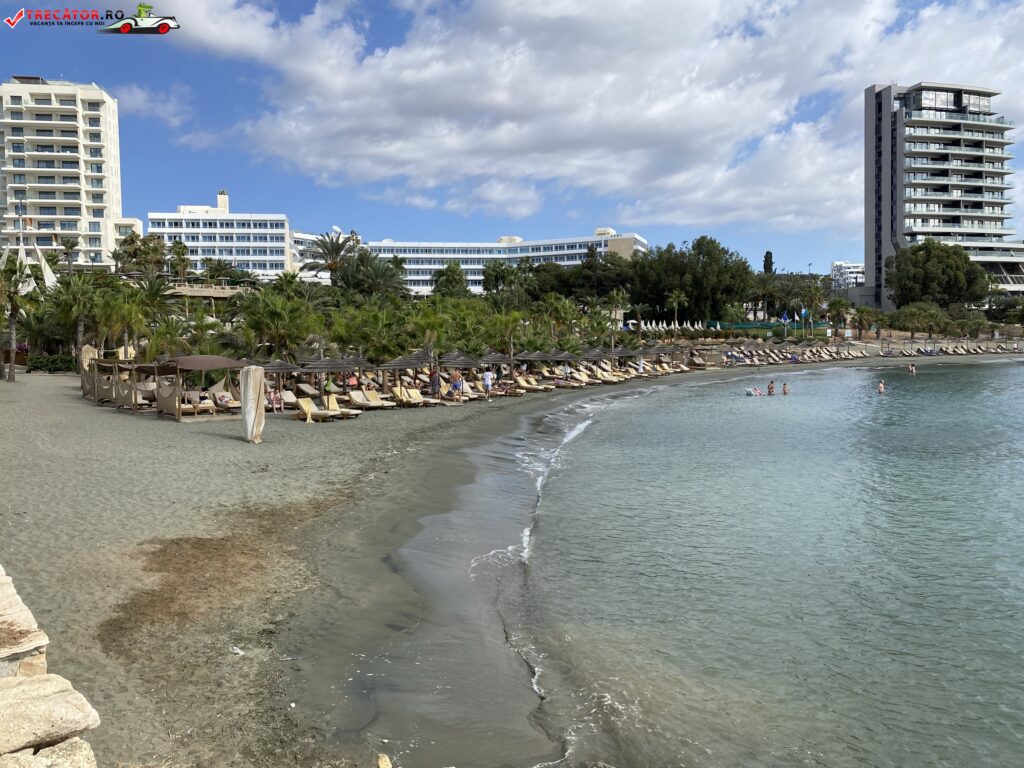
679, 574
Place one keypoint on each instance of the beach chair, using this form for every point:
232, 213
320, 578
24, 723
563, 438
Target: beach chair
309, 413
402, 399
305, 389
331, 403
225, 403
416, 396
374, 397
357, 399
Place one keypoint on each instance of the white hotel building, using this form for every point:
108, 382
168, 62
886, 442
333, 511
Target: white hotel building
60, 168
422, 260
258, 242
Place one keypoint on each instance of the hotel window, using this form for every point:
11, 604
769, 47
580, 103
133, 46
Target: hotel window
45, 225
18, 132
94, 226
96, 167
94, 106
191, 225
95, 152
45, 133
72, 211
68, 179
67, 102
96, 198
18, 162
44, 179
69, 164
42, 101
44, 240
94, 242
155, 223
96, 213
95, 183
94, 122
94, 137
69, 134
68, 119
15, 101
47, 195
17, 147
45, 164
68, 226
43, 118
17, 115
188, 238
209, 238
171, 224
48, 210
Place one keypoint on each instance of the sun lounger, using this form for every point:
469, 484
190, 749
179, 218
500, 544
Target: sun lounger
357, 398
534, 382
374, 397
330, 402
289, 399
309, 412
305, 389
417, 397
402, 398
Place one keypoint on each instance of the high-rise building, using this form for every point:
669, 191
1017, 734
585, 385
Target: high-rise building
936, 165
257, 242
60, 167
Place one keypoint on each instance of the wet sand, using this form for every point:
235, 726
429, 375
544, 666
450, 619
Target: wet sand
147, 549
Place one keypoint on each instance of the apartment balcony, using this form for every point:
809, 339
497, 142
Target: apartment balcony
954, 230
914, 164
939, 195
28, 123
971, 212
937, 116
923, 135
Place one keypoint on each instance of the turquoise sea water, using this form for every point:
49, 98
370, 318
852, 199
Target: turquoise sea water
834, 578
684, 576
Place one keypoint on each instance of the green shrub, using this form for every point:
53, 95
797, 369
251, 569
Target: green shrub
50, 363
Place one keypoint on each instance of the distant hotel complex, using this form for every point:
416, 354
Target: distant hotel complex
936, 166
422, 260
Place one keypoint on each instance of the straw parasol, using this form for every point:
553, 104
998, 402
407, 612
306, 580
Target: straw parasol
458, 359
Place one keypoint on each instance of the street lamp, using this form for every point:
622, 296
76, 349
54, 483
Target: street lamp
809, 267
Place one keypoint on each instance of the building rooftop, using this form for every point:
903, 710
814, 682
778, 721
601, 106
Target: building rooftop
925, 85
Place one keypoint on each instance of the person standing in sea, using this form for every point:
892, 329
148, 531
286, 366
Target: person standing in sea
881, 386
771, 388
785, 388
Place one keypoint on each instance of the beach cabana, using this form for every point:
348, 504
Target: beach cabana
170, 379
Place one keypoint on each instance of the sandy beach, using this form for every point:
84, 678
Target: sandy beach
148, 550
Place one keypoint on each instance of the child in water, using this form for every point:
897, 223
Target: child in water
785, 388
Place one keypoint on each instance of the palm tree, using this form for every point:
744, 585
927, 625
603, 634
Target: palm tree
837, 309
131, 317
676, 298
69, 244
765, 289
379, 278
335, 253
863, 319
734, 314
75, 300
155, 295
451, 281
180, 263
15, 284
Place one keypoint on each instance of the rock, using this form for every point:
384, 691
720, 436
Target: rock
383, 761
73, 753
40, 710
20, 636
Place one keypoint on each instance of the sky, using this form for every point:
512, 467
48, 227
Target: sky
465, 120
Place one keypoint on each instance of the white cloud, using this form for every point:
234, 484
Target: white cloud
171, 106
679, 117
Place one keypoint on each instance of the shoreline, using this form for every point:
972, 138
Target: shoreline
168, 548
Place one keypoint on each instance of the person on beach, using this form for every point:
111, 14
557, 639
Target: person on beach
785, 388
434, 382
352, 381
488, 383
275, 399
457, 386
771, 388
881, 386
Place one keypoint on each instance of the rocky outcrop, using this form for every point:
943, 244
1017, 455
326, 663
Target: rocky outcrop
41, 715
22, 642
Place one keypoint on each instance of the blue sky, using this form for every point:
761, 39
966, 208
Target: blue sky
466, 120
